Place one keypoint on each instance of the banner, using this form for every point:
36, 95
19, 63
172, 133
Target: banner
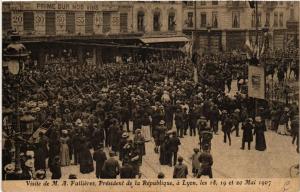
256, 82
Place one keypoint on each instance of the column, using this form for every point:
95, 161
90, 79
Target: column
223, 40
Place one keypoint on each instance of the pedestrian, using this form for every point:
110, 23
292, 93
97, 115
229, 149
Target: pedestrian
259, 131
283, 122
55, 168
111, 167
64, 149
295, 130
174, 143
214, 118
195, 162
85, 158
126, 171
139, 143
99, 157
180, 169
206, 161
76, 143
179, 122
226, 127
39, 157
247, 128
236, 121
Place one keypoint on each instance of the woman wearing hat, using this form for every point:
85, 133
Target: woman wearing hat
64, 149
55, 168
85, 158
259, 131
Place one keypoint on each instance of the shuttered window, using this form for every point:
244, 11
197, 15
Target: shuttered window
106, 22
70, 22
89, 22
50, 23
28, 21
123, 22
6, 21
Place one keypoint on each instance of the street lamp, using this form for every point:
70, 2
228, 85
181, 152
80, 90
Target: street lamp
208, 37
15, 55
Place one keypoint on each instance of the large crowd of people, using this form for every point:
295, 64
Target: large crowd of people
83, 112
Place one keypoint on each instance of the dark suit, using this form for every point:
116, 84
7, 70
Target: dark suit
127, 172
174, 142
247, 135
111, 168
100, 157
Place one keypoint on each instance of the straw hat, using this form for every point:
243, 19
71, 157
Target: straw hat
9, 168
162, 122
79, 123
29, 163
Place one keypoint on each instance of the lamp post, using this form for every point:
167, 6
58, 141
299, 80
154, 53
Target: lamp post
208, 37
15, 55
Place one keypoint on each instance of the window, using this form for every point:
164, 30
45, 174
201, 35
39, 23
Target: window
214, 20
140, 20
253, 22
190, 19
6, 21
190, 3
203, 20
28, 21
292, 14
267, 19
281, 19
275, 19
70, 22
156, 21
171, 21
50, 23
202, 2
106, 22
235, 19
123, 22
214, 2
259, 19
89, 22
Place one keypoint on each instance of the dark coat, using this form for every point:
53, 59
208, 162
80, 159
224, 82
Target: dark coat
174, 143
40, 158
127, 172
179, 120
180, 171
100, 157
247, 134
85, 159
260, 141
111, 168
55, 170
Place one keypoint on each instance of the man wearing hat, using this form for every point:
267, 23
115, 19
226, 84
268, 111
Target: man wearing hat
174, 143
206, 161
247, 128
99, 157
236, 120
111, 167
195, 162
226, 128
179, 122
180, 169
159, 135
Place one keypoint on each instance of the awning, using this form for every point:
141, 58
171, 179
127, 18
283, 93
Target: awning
164, 39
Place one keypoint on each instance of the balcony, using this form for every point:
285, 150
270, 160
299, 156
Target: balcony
236, 4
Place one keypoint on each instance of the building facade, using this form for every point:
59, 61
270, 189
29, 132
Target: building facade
225, 25
82, 23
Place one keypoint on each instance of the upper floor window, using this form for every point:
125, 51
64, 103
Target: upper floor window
236, 19
275, 19
140, 20
203, 20
171, 21
202, 2
292, 14
259, 19
28, 19
267, 19
6, 21
124, 22
190, 19
106, 22
281, 19
214, 20
214, 2
253, 19
156, 21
